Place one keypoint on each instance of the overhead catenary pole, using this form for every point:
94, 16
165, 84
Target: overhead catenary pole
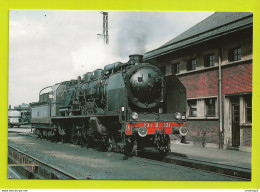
104, 34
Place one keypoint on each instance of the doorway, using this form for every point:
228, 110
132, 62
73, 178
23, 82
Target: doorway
235, 112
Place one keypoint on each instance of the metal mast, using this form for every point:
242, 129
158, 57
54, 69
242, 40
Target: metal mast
105, 35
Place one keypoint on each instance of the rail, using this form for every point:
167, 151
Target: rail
33, 168
182, 160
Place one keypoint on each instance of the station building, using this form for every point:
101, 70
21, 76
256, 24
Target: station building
213, 59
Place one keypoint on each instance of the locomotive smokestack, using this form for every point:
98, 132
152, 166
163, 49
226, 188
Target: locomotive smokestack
136, 58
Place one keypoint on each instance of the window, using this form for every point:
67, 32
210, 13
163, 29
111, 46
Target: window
248, 113
192, 108
191, 64
210, 107
176, 68
163, 70
209, 60
234, 54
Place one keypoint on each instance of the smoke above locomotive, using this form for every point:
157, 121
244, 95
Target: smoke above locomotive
125, 104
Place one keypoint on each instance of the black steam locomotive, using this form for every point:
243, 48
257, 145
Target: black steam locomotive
127, 106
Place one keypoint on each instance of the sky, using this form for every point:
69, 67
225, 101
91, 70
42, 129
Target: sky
47, 47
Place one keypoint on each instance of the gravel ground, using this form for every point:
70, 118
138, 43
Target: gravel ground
90, 164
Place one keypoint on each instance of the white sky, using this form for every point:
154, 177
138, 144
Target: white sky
47, 47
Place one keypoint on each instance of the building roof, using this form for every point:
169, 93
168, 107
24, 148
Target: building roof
219, 23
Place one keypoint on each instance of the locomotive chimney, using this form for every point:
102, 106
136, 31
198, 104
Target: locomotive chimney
136, 58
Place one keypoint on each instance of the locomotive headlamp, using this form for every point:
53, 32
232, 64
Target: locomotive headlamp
134, 115
142, 131
178, 115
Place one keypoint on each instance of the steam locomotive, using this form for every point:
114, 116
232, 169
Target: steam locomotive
126, 106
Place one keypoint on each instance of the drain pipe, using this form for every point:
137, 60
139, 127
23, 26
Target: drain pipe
220, 97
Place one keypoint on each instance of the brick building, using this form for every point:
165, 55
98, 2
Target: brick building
213, 59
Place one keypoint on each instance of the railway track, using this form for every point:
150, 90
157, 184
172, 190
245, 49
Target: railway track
37, 169
32, 168
183, 160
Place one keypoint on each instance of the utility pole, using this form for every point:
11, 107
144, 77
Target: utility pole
105, 35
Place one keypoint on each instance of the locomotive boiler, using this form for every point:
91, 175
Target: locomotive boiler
128, 105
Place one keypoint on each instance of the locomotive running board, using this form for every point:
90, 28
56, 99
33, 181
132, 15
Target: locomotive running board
84, 116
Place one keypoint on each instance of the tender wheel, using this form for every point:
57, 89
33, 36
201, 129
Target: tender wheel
50, 135
37, 132
41, 134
